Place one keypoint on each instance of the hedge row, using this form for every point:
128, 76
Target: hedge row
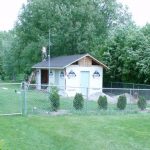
78, 102
121, 103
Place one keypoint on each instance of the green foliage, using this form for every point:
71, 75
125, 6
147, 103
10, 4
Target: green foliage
122, 102
78, 26
142, 103
102, 28
6, 39
78, 101
54, 98
127, 52
102, 102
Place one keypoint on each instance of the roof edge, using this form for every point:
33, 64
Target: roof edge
83, 55
47, 67
100, 63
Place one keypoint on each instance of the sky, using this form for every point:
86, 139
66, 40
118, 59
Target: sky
9, 10
140, 10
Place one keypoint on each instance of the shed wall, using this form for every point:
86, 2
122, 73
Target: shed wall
73, 84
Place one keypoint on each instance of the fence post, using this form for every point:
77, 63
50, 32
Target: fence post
87, 93
130, 100
111, 87
24, 99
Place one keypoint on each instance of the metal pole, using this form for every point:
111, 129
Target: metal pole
24, 103
130, 101
87, 93
49, 63
111, 87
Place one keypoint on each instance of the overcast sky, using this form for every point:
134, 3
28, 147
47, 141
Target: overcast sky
9, 10
140, 10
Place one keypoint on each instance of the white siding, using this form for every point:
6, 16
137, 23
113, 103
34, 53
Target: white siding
52, 77
73, 84
38, 79
60, 80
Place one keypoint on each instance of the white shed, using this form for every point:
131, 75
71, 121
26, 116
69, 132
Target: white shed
72, 74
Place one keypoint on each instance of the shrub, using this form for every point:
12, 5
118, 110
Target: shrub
102, 102
78, 101
54, 98
142, 103
122, 102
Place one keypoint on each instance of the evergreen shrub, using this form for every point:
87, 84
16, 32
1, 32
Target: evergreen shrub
78, 101
102, 102
142, 103
122, 102
54, 98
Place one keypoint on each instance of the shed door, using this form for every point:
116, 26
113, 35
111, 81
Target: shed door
44, 76
84, 81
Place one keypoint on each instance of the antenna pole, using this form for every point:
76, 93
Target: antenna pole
49, 63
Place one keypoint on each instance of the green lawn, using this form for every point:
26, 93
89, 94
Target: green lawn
120, 132
71, 132
10, 99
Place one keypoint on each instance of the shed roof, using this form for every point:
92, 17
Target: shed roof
64, 61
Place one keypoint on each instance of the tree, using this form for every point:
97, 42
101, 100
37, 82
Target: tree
127, 54
76, 26
6, 39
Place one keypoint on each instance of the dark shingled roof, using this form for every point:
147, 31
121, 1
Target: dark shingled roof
58, 62
62, 61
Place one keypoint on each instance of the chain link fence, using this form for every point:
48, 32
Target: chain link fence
26, 99
126, 85
38, 101
10, 99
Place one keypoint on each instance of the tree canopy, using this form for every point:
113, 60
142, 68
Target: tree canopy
102, 28
76, 26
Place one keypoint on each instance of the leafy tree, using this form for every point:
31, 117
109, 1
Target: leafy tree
76, 26
6, 39
127, 54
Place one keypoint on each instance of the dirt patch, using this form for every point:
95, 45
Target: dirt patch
60, 112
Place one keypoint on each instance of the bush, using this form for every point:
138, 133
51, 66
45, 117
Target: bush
102, 102
142, 103
54, 98
122, 102
78, 101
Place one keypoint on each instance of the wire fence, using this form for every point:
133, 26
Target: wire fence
10, 99
26, 99
126, 85
39, 102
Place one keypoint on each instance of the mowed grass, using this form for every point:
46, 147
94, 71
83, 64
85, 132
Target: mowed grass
10, 99
120, 132
70, 132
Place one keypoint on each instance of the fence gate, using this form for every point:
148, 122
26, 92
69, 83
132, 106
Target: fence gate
10, 99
